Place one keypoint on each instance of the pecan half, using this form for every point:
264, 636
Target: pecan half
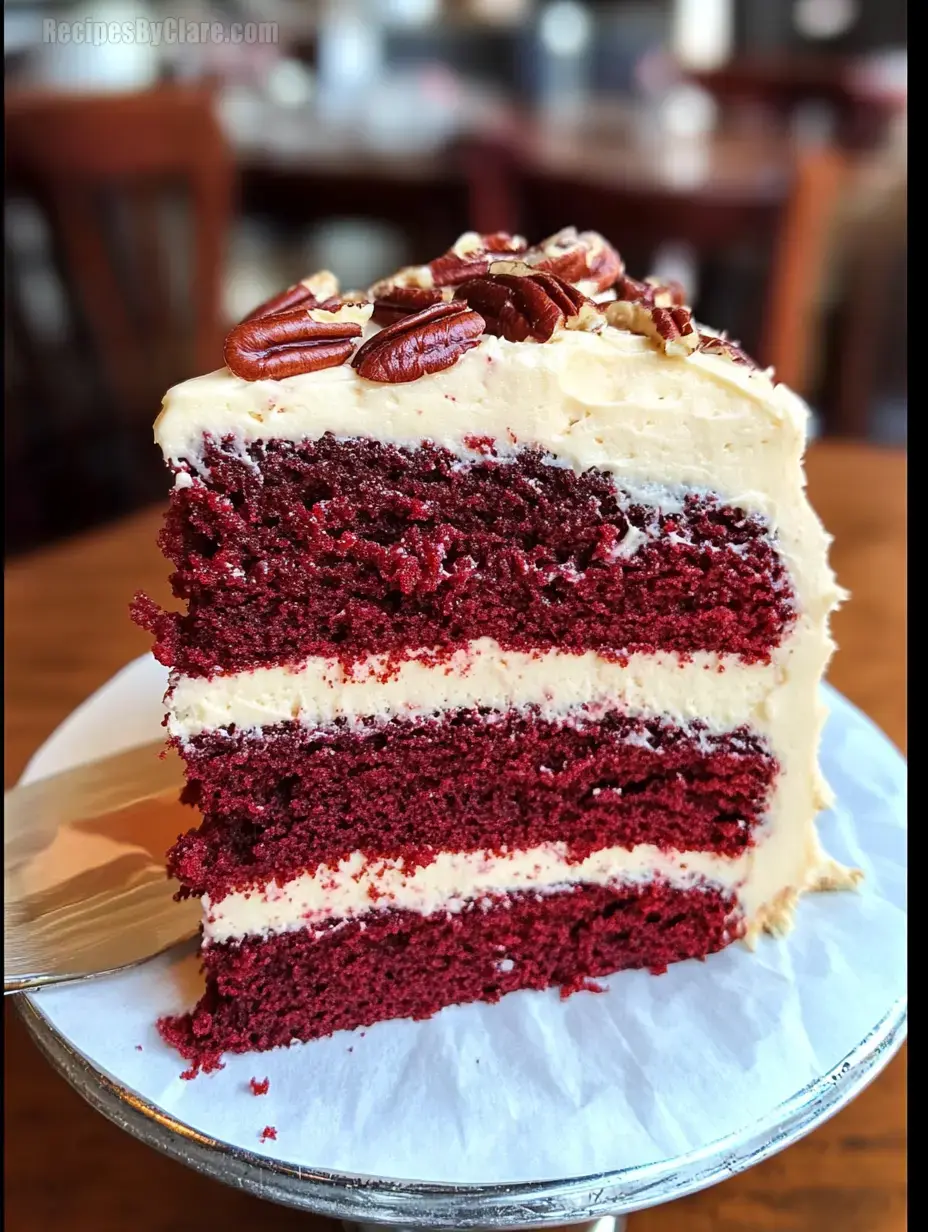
400, 302
514, 308
426, 342
306, 293
583, 258
287, 344
672, 329
527, 304
710, 344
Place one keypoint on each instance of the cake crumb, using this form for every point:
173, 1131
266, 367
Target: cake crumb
581, 984
209, 1063
259, 1088
269, 1132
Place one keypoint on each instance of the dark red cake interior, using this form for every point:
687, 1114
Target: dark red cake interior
282, 802
349, 548
293, 986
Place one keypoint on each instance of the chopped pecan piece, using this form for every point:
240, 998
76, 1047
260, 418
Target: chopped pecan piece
409, 276
400, 302
674, 327
671, 328
472, 244
287, 344
342, 308
711, 344
583, 258
306, 293
426, 342
652, 292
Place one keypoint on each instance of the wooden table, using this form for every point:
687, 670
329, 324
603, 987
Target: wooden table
68, 631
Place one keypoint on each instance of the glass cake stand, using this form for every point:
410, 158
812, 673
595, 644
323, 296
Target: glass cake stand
590, 1202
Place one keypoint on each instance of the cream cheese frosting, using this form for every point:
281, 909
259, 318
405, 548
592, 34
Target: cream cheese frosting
358, 885
606, 400
718, 690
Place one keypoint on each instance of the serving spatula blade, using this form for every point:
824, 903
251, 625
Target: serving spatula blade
85, 888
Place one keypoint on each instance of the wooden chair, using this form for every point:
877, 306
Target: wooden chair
791, 328
77, 154
872, 317
136, 192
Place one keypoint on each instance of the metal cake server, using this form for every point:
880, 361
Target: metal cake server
84, 884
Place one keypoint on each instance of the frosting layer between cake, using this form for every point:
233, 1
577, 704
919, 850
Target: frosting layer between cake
358, 885
719, 690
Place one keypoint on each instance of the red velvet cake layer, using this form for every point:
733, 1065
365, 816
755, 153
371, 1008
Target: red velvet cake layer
284, 801
395, 964
348, 548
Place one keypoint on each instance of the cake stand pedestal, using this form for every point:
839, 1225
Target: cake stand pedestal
606, 1223
364, 1203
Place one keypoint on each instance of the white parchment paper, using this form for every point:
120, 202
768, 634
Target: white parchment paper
533, 1088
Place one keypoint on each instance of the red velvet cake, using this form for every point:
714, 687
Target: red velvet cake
504, 618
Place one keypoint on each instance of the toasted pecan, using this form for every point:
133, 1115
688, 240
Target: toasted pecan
306, 293
287, 344
523, 305
671, 329
398, 302
583, 258
652, 292
724, 348
426, 342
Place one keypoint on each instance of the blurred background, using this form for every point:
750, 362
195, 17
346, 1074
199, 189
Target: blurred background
170, 165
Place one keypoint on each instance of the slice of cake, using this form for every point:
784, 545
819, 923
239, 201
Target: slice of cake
505, 615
